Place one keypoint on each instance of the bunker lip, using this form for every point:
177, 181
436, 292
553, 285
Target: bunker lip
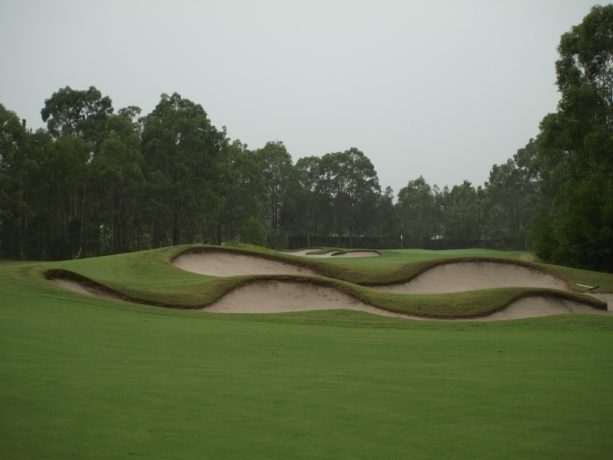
329, 297
213, 261
83, 285
497, 273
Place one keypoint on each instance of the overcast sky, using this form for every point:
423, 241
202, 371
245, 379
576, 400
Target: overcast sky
441, 89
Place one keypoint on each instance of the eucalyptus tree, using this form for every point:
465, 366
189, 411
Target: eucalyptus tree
243, 209
386, 226
15, 183
276, 175
183, 165
76, 120
511, 197
117, 170
575, 160
80, 113
417, 212
350, 182
309, 202
462, 212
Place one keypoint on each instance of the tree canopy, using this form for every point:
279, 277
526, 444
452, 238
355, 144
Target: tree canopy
575, 150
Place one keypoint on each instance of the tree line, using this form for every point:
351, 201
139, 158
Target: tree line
99, 181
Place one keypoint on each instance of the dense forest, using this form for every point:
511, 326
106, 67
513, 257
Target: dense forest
100, 180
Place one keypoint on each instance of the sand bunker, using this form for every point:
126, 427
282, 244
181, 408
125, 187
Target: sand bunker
300, 252
216, 263
313, 252
468, 276
535, 306
286, 296
82, 288
356, 254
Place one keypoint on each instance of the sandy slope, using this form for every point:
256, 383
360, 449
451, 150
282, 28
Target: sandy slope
285, 296
468, 276
81, 288
216, 263
531, 307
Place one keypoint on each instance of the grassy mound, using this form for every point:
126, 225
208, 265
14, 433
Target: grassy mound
170, 287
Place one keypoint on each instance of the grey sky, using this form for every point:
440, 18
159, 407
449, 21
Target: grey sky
443, 89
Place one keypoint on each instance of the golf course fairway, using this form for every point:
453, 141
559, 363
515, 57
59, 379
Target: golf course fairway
97, 378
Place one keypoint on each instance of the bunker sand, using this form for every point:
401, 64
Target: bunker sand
82, 288
313, 252
469, 276
532, 307
267, 296
300, 252
214, 263
357, 254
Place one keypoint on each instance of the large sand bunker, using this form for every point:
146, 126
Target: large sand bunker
531, 307
267, 296
468, 276
217, 263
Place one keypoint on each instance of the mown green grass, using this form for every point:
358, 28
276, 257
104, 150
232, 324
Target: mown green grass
90, 378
